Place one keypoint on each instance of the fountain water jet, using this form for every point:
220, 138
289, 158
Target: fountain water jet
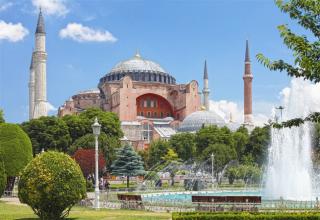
289, 171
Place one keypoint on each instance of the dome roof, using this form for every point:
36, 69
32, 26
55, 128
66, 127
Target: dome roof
137, 64
139, 69
196, 120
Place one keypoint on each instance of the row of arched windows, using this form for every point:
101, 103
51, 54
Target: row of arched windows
141, 76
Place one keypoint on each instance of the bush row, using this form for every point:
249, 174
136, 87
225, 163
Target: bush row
244, 216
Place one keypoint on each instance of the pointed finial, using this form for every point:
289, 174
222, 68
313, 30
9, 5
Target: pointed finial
40, 25
247, 59
137, 55
205, 74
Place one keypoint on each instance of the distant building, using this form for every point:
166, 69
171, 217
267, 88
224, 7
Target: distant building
149, 103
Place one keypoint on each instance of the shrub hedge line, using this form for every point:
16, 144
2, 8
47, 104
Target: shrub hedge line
244, 216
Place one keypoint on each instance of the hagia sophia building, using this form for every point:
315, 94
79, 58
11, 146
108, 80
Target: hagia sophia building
147, 99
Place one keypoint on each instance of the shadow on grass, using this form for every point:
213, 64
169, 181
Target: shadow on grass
39, 218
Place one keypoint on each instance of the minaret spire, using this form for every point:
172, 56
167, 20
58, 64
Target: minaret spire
247, 79
40, 24
40, 70
31, 86
206, 90
247, 59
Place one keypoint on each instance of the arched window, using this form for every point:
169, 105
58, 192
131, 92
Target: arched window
154, 114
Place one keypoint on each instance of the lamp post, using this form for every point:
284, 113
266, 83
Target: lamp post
212, 175
96, 131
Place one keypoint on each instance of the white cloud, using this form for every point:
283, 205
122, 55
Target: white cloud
5, 6
51, 108
226, 109
51, 7
81, 33
12, 32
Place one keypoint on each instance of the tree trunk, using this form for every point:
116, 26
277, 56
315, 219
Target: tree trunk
10, 183
128, 182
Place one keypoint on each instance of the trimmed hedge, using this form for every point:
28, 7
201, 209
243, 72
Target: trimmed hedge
3, 178
15, 148
244, 216
51, 184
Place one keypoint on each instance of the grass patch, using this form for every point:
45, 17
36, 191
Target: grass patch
10, 212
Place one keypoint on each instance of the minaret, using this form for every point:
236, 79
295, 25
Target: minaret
247, 79
40, 67
31, 89
206, 89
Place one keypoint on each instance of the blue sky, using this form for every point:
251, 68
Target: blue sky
179, 35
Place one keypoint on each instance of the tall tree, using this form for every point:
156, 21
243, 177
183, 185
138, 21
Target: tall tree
77, 126
184, 145
306, 51
1, 116
241, 139
171, 164
15, 151
156, 151
110, 123
213, 135
223, 154
48, 133
107, 144
128, 163
258, 144
86, 160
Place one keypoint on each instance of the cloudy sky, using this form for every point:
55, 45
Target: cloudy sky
86, 38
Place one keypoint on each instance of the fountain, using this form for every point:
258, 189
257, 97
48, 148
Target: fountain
289, 172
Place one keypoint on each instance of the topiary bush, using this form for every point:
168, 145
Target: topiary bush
51, 184
3, 178
16, 150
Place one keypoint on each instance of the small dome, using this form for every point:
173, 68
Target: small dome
139, 69
196, 120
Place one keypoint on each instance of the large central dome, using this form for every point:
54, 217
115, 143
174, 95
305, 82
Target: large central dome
139, 69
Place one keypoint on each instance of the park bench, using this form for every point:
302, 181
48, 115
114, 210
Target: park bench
227, 203
130, 201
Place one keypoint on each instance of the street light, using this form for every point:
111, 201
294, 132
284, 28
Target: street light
96, 131
212, 176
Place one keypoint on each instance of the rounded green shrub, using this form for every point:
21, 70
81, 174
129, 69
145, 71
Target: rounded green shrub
15, 148
3, 178
51, 184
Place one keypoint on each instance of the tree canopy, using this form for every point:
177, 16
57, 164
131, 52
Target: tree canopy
128, 163
1, 116
306, 50
15, 148
48, 133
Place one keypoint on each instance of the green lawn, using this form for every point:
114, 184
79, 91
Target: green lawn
9, 212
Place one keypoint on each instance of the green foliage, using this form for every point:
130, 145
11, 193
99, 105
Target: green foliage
184, 144
2, 117
156, 151
306, 52
128, 163
213, 135
223, 154
232, 174
110, 123
244, 216
107, 144
77, 126
258, 144
48, 133
3, 178
51, 184
15, 148
241, 138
